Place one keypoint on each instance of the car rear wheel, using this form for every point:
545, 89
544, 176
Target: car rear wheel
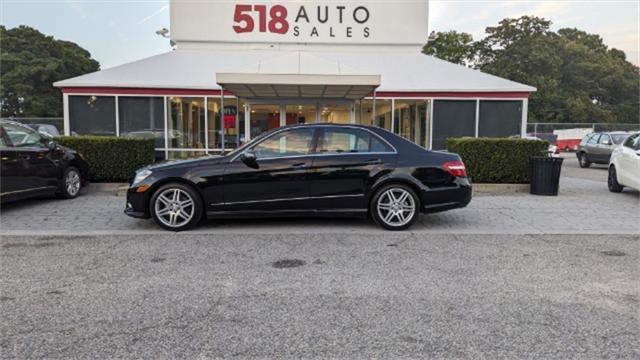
395, 207
584, 162
612, 181
71, 183
176, 207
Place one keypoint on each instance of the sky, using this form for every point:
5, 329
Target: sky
120, 31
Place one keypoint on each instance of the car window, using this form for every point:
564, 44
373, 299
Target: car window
593, 139
604, 138
636, 146
350, 140
586, 138
618, 138
3, 143
630, 141
286, 143
22, 136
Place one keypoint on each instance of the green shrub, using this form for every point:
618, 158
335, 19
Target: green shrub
497, 160
111, 158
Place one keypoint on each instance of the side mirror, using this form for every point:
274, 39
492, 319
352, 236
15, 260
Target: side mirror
52, 145
249, 158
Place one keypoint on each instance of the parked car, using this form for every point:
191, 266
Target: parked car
33, 164
624, 168
597, 147
317, 169
47, 129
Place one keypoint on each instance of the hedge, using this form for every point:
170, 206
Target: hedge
497, 160
111, 158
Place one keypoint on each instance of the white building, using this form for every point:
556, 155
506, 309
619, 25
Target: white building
239, 70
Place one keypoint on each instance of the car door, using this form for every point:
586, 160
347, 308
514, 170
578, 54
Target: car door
629, 162
346, 164
29, 166
591, 147
279, 182
602, 151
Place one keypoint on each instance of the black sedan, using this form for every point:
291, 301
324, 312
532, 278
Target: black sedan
34, 164
303, 170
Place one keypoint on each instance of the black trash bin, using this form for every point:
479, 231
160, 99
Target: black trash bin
545, 175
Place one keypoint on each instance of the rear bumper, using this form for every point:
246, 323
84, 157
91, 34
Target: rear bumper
447, 198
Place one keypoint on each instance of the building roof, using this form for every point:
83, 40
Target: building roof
197, 69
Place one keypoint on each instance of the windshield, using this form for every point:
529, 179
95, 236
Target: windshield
618, 138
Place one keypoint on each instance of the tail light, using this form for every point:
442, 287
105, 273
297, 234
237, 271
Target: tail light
455, 168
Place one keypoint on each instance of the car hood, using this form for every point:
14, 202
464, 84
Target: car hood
168, 164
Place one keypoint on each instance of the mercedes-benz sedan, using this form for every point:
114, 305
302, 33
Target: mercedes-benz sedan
305, 170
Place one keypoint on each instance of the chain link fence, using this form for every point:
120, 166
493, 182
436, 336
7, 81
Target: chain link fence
548, 128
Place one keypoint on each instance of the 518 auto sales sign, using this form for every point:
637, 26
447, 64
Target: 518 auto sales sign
341, 22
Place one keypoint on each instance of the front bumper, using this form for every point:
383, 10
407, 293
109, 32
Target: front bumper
136, 205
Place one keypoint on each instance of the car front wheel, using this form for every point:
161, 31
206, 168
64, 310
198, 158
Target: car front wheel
176, 207
395, 207
71, 183
612, 181
584, 162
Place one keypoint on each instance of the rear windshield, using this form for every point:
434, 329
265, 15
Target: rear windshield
618, 138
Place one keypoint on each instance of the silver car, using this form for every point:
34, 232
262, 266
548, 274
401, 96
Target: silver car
597, 147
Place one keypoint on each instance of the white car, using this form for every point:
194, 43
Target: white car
624, 166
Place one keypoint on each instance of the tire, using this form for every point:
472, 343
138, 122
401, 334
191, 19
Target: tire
583, 160
71, 183
390, 199
612, 180
176, 207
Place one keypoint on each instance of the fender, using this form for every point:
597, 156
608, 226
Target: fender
396, 176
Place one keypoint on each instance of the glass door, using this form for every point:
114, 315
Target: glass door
337, 112
301, 113
263, 117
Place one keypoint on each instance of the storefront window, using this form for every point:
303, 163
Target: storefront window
383, 114
179, 155
301, 114
264, 118
335, 113
214, 123
500, 118
363, 112
92, 115
186, 123
411, 120
142, 117
452, 118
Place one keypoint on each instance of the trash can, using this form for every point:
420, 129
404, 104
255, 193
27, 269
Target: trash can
545, 175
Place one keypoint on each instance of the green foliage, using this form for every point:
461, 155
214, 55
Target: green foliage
452, 46
578, 78
111, 158
31, 63
497, 160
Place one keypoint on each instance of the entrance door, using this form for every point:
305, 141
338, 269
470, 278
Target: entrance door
337, 112
301, 113
263, 117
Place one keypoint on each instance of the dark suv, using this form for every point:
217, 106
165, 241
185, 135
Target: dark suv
597, 147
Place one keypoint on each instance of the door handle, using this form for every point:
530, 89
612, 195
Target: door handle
374, 161
298, 165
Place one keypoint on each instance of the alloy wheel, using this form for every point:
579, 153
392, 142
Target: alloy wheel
396, 207
174, 207
72, 182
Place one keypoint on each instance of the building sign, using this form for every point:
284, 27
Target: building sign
400, 22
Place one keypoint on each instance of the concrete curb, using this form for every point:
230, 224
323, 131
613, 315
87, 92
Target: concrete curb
114, 188
500, 188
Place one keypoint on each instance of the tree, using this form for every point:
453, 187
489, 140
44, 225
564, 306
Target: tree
453, 46
578, 78
31, 62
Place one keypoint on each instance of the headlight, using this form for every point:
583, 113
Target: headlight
141, 175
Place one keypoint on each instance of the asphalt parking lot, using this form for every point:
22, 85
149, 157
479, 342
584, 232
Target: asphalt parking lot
511, 276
